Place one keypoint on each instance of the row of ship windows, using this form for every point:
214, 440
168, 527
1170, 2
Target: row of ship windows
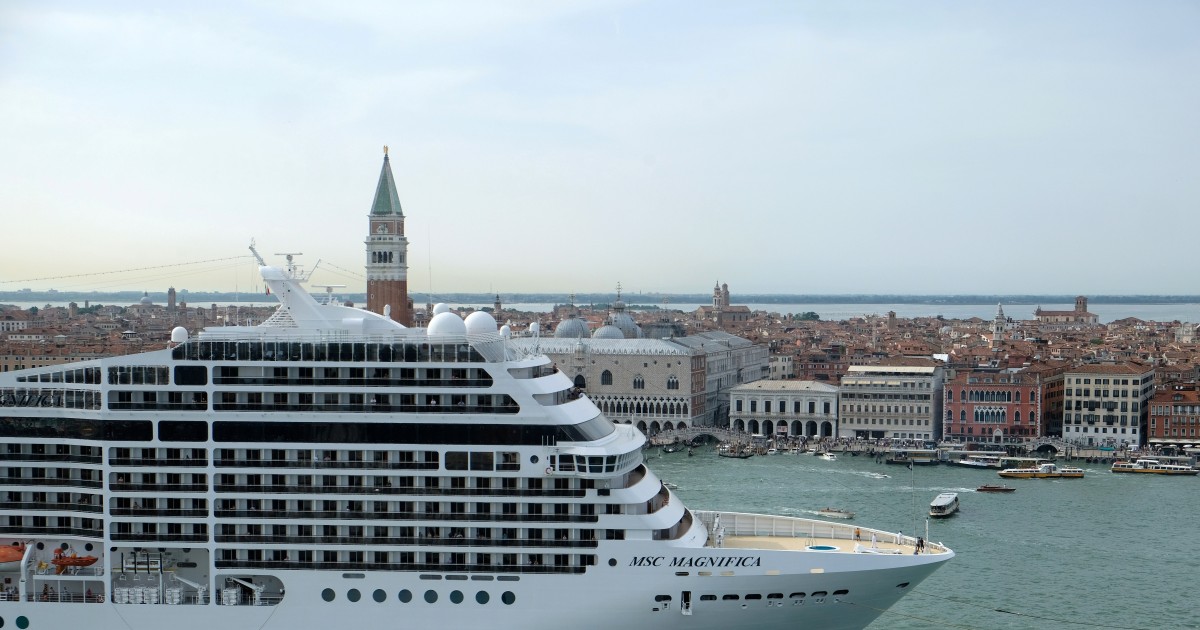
430, 596
709, 597
308, 432
327, 351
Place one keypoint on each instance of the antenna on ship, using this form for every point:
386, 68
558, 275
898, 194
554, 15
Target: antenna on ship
329, 290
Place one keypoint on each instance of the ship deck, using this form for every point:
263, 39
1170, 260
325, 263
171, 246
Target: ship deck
758, 531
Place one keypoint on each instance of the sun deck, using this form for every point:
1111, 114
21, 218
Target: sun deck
757, 531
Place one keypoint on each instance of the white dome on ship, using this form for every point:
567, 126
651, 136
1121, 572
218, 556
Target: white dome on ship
572, 328
480, 322
179, 334
535, 328
608, 331
439, 308
447, 324
506, 331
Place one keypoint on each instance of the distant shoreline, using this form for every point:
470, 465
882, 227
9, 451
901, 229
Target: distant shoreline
647, 299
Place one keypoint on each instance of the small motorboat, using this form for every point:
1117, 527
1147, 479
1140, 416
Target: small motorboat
992, 488
831, 512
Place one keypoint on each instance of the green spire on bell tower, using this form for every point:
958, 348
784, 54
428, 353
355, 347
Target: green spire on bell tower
387, 201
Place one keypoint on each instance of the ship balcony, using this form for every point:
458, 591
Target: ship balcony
508, 408
50, 458
51, 505
159, 487
158, 462
157, 537
24, 531
228, 462
407, 516
154, 512
420, 491
48, 481
421, 541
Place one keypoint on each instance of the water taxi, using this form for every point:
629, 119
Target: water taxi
943, 505
1153, 467
992, 488
1044, 471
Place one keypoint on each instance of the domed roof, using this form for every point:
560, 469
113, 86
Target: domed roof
608, 331
572, 328
446, 324
506, 331
535, 328
629, 328
146, 301
440, 308
480, 322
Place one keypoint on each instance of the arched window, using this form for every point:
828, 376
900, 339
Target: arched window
962, 395
950, 395
639, 382
672, 382
580, 382
606, 378
1017, 415
962, 416
1018, 395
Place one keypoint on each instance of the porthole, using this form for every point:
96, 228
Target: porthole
88, 547
353, 595
482, 597
508, 598
431, 597
612, 562
456, 597
533, 459
405, 596
379, 595
327, 595
1, 622
22, 622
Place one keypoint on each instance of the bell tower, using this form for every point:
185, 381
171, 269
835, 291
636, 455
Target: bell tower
387, 251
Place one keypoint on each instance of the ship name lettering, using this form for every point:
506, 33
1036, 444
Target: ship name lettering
715, 561
647, 561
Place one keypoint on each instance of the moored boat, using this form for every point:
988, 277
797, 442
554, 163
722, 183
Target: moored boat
994, 488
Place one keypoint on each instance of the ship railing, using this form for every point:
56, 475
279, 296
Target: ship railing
49, 481
50, 457
25, 531
159, 487
229, 462
148, 511
415, 491
407, 516
52, 505
502, 408
158, 537
423, 541
366, 381
765, 525
157, 462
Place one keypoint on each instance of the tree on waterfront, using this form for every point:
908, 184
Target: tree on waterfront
807, 316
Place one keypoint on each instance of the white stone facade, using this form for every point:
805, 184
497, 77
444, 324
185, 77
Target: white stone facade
791, 408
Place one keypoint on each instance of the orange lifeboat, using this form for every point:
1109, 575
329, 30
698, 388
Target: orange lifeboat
64, 562
10, 557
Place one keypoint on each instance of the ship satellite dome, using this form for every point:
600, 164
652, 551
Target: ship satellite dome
447, 324
506, 331
179, 334
440, 308
479, 323
535, 328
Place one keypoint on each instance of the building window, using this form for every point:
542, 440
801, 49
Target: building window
606, 378
672, 382
639, 382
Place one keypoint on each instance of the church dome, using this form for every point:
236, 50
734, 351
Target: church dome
146, 301
608, 331
629, 328
572, 328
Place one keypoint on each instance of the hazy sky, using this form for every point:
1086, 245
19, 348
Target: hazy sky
781, 147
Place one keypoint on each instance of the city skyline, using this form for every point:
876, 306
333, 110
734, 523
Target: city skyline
927, 148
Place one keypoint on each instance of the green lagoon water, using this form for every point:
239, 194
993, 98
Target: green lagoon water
1106, 551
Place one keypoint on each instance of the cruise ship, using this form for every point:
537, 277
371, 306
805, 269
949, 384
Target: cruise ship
333, 468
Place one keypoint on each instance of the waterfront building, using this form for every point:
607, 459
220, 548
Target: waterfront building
1174, 416
791, 408
1076, 317
1105, 403
721, 311
781, 367
993, 406
729, 361
387, 252
901, 398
